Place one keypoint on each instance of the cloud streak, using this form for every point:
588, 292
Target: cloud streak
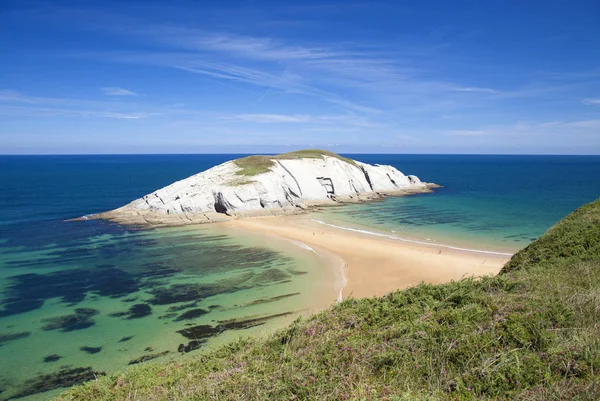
116, 91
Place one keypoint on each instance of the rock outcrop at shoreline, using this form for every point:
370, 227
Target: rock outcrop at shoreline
266, 185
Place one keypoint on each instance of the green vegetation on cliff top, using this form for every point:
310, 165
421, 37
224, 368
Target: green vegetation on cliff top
530, 333
255, 165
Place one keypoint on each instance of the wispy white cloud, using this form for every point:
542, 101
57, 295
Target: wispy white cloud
116, 91
62, 112
12, 96
272, 118
466, 132
584, 124
472, 89
591, 102
315, 120
16, 103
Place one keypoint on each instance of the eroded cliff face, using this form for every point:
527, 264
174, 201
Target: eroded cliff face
290, 186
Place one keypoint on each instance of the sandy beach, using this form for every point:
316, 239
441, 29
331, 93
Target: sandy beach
368, 265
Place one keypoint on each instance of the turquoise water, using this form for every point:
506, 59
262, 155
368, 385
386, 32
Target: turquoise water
84, 297
78, 298
499, 203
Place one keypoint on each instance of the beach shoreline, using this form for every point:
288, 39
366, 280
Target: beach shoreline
373, 264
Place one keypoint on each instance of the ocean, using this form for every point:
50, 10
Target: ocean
92, 296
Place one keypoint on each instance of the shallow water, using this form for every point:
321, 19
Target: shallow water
95, 294
498, 203
125, 294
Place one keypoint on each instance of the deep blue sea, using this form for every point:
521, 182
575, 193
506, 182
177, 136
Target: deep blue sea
92, 296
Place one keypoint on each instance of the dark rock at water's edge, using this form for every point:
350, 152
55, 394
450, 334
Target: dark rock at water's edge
200, 332
204, 331
122, 340
66, 377
145, 358
191, 314
191, 346
235, 324
13, 336
79, 320
52, 358
91, 350
135, 312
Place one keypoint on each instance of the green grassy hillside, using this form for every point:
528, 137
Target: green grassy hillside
531, 333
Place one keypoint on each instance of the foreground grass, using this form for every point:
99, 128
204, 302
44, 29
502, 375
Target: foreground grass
531, 333
255, 165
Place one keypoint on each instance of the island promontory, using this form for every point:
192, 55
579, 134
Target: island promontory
266, 185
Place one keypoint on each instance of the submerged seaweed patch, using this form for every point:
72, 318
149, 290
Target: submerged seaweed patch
177, 308
79, 320
91, 350
204, 331
135, 312
52, 358
191, 314
200, 331
148, 357
66, 377
197, 292
191, 346
28, 292
271, 299
13, 336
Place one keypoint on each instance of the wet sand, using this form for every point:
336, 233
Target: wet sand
368, 265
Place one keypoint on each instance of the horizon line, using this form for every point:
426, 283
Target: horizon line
271, 153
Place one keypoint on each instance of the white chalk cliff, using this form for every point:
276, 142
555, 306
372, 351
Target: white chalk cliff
288, 185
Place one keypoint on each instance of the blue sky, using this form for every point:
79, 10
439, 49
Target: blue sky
349, 76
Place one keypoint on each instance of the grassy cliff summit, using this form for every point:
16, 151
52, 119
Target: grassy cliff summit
254, 165
530, 333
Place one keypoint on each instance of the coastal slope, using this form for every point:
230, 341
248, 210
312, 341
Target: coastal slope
529, 333
266, 185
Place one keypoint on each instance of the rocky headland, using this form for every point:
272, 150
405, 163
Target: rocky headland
266, 185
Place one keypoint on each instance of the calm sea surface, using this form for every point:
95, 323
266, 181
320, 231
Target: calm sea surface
84, 297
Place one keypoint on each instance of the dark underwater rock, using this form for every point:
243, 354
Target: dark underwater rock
66, 377
191, 314
91, 350
197, 292
238, 324
167, 315
204, 331
177, 308
52, 358
272, 275
79, 320
27, 292
145, 358
13, 336
200, 332
272, 299
191, 346
134, 312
